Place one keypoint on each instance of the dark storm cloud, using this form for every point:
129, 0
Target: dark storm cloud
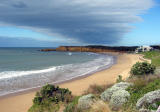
85, 21
16, 42
19, 5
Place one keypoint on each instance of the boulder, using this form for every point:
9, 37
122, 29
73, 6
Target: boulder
148, 99
106, 95
118, 99
85, 102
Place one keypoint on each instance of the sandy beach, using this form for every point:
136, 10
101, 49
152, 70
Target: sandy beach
22, 102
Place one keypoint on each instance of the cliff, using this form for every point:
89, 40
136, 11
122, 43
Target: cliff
93, 49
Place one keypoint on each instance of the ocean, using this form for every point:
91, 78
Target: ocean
26, 68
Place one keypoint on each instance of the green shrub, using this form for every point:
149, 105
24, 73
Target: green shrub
143, 68
72, 107
47, 90
150, 107
45, 107
49, 97
138, 90
119, 79
37, 100
53, 94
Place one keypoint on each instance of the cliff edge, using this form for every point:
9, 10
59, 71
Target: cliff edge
93, 49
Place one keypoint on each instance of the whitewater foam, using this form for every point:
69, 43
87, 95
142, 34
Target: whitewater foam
12, 74
15, 81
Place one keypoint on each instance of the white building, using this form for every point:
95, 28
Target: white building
143, 49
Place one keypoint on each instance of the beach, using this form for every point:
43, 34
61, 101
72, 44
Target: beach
23, 101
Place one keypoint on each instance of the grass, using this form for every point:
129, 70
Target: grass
96, 89
119, 79
93, 89
141, 86
46, 107
154, 56
150, 107
72, 107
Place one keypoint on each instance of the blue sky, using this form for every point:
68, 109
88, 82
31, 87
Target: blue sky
146, 32
52, 23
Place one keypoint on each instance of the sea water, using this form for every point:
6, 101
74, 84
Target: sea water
26, 68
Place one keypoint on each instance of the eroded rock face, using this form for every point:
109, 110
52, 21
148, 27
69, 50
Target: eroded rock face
107, 94
118, 99
85, 102
148, 99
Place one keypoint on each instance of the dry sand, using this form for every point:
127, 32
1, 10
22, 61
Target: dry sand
22, 102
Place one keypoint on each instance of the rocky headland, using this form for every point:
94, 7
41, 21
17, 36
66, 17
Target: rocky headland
93, 48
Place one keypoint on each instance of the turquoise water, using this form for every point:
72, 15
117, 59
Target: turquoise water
25, 68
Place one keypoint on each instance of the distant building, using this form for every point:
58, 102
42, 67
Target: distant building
143, 49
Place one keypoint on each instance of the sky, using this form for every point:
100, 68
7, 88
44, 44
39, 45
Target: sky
51, 23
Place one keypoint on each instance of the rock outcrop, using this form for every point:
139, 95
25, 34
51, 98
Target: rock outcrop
148, 99
93, 49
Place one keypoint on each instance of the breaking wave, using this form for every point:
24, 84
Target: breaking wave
14, 81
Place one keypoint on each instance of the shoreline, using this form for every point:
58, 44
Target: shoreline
27, 90
22, 101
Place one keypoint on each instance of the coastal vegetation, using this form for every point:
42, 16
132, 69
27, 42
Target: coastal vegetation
50, 98
142, 68
72, 106
154, 56
119, 79
141, 86
125, 95
96, 89
144, 83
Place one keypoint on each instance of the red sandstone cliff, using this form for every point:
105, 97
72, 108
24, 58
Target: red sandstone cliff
92, 49
82, 49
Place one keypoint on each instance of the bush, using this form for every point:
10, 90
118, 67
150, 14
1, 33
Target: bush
119, 79
53, 94
46, 107
49, 98
140, 87
47, 90
143, 68
151, 107
37, 100
72, 107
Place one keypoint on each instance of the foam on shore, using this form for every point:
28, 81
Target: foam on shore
15, 81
